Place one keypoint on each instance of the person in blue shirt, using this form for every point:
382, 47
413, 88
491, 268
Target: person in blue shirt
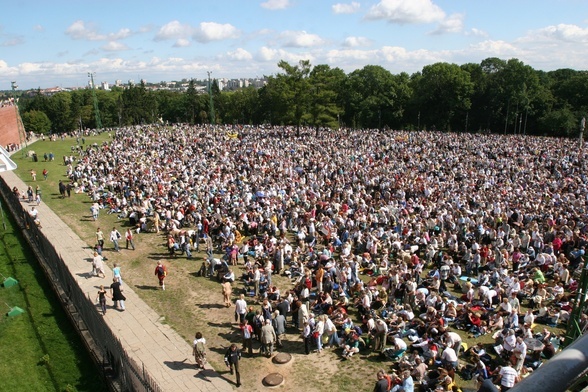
407, 384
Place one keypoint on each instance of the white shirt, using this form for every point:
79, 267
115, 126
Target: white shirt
241, 306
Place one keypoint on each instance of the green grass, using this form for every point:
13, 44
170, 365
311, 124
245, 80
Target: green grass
39, 350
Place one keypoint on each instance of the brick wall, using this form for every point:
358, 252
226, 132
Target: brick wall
8, 126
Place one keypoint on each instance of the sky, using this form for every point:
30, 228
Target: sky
57, 43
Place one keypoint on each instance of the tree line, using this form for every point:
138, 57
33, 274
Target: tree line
499, 96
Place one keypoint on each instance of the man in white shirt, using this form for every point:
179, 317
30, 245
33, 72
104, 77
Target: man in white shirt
449, 357
507, 377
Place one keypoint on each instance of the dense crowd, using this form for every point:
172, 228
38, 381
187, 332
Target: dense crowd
448, 231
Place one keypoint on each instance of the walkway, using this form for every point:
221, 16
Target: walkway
138, 328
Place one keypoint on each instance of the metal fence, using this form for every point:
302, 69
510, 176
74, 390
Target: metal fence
116, 365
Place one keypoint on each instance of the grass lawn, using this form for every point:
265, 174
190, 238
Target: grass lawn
39, 349
192, 303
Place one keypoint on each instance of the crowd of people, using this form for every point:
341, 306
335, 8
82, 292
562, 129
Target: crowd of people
419, 234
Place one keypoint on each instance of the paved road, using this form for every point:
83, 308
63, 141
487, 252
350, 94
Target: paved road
163, 352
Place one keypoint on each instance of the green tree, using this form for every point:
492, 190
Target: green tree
443, 90
371, 97
36, 121
325, 84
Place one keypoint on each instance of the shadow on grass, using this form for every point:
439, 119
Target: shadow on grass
145, 287
211, 306
207, 374
227, 324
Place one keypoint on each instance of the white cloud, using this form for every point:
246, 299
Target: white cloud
300, 39
78, 30
403, 12
173, 30
342, 8
560, 32
265, 54
239, 54
12, 41
39, 28
477, 33
451, 24
275, 4
182, 43
353, 42
113, 46
211, 31
494, 48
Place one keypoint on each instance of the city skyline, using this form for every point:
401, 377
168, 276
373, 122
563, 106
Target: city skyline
58, 43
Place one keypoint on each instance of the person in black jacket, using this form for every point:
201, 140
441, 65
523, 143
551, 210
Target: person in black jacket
232, 358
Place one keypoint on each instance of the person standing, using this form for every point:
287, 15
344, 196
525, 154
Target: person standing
232, 358
161, 273
247, 333
227, 289
279, 324
199, 350
116, 292
117, 274
101, 298
62, 189
100, 238
45, 174
267, 338
98, 265
307, 336
115, 237
38, 194
240, 309
129, 238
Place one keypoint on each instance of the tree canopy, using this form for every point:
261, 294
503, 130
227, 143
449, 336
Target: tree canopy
502, 96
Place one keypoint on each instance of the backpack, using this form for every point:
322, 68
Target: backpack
246, 333
161, 271
257, 321
200, 349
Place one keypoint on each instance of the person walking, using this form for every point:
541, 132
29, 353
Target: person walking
116, 292
279, 324
115, 237
161, 273
267, 338
232, 358
100, 238
240, 309
247, 333
101, 298
98, 265
117, 274
227, 289
199, 350
129, 238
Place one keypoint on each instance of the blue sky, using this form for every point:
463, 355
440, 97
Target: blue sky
56, 43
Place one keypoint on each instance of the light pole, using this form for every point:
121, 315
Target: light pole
212, 115
95, 101
22, 136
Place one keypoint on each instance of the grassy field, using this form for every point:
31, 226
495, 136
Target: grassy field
39, 349
192, 303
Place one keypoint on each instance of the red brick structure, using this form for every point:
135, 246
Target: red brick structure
8, 126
